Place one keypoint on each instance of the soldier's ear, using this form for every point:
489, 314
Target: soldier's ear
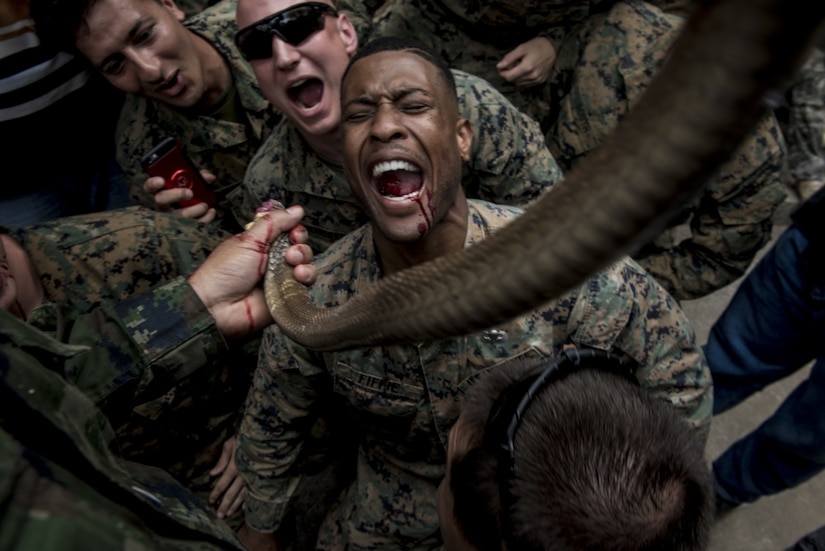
346, 31
172, 7
464, 137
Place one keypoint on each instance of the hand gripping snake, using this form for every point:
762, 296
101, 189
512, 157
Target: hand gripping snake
702, 103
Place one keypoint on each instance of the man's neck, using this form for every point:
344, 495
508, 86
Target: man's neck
327, 146
448, 236
216, 71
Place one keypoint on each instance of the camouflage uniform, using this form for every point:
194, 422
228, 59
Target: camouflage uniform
153, 360
193, 7
63, 485
606, 57
805, 132
406, 398
509, 164
473, 35
224, 147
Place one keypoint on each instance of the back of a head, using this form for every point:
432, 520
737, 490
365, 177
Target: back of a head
599, 465
58, 21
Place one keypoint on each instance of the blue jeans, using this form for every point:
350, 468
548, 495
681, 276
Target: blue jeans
774, 325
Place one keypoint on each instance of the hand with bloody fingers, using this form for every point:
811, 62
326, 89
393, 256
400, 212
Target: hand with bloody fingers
229, 281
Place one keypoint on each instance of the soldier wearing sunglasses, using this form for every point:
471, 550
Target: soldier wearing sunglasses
298, 51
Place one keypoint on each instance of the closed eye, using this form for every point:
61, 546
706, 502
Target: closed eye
357, 116
415, 107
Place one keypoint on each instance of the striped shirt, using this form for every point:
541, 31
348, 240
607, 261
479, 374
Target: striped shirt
31, 77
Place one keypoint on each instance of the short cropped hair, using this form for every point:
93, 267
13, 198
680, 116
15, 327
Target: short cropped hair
599, 464
402, 43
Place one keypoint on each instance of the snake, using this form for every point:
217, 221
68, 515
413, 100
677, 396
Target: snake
730, 59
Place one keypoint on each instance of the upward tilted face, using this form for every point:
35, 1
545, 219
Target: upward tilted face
141, 47
298, 51
404, 142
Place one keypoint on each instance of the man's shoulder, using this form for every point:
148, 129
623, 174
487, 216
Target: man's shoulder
284, 153
626, 282
215, 22
474, 86
487, 109
492, 215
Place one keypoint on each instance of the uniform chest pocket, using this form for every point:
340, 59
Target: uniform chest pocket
377, 395
529, 356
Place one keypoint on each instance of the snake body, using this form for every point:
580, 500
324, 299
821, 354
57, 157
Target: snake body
702, 103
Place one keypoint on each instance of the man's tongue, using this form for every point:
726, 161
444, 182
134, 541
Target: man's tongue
398, 183
308, 94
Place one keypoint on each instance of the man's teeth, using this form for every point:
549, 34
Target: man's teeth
298, 84
387, 166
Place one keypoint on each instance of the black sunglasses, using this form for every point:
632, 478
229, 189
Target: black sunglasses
292, 25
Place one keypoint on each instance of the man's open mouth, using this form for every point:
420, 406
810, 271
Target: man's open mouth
306, 93
397, 179
169, 83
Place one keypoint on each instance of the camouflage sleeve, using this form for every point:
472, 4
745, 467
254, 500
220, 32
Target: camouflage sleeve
575, 13
510, 163
277, 421
555, 35
62, 449
142, 346
623, 308
731, 222
806, 124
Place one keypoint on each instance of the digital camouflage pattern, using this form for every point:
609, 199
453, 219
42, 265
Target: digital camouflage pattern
509, 164
193, 7
114, 255
805, 132
405, 399
155, 365
473, 35
62, 484
732, 218
606, 56
224, 147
